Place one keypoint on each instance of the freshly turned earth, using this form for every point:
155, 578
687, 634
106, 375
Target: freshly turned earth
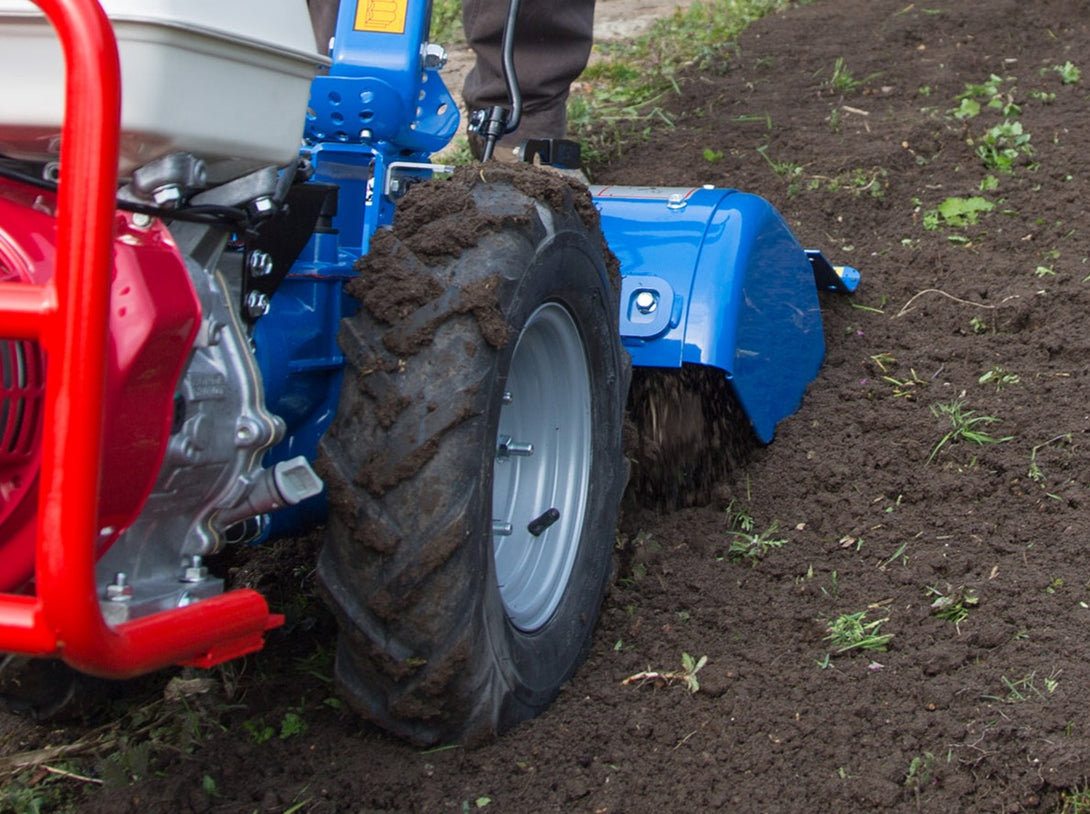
987, 714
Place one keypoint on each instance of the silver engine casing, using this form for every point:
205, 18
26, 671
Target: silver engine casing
212, 475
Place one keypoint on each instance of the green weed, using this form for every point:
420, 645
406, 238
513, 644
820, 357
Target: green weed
1002, 145
842, 80
954, 604
1075, 801
989, 94
752, 547
740, 518
920, 771
1069, 73
899, 554
964, 426
686, 675
858, 182
1000, 377
784, 169
957, 212
1035, 474
851, 631
1026, 688
905, 387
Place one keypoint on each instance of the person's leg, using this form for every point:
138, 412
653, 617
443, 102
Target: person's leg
552, 44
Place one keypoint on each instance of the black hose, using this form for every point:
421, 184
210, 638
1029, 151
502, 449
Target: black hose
510, 78
496, 121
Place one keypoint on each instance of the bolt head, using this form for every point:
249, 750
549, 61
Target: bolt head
167, 195
257, 304
646, 302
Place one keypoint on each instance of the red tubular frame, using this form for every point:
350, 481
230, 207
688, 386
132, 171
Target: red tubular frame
68, 316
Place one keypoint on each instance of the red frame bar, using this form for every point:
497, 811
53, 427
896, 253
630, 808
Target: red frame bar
69, 317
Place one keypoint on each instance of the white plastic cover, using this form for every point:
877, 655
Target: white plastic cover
226, 80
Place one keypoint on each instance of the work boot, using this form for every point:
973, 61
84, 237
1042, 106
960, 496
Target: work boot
546, 124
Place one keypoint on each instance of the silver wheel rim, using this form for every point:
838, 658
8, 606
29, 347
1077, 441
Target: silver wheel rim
542, 462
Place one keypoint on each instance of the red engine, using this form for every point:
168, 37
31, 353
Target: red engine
153, 318
98, 315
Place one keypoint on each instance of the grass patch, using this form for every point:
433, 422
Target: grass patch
965, 425
628, 92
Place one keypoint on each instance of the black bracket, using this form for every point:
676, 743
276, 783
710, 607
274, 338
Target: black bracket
557, 152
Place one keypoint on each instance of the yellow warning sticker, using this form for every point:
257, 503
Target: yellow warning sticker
381, 16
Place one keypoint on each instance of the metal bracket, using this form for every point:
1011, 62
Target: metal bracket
394, 186
556, 152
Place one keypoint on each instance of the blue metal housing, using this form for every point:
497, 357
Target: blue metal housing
710, 276
380, 87
715, 277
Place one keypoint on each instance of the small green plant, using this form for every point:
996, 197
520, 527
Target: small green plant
1044, 271
739, 517
834, 586
834, 120
842, 80
964, 426
954, 604
711, 156
989, 94
1002, 144
957, 212
1075, 801
1000, 377
292, 724
852, 631
905, 387
784, 169
752, 547
686, 675
1025, 688
259, 730
920, 771
1069, 73
884, 361
858, 182
1035, 474
978, 325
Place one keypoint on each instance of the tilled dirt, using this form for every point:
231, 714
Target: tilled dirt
984, 711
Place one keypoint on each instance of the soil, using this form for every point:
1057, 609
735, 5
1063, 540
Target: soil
984, 713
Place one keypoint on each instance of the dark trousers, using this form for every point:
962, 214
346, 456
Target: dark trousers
552, 44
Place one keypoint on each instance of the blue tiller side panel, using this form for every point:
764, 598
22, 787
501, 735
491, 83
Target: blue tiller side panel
715, 277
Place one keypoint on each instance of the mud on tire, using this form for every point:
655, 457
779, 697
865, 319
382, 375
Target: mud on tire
481, 391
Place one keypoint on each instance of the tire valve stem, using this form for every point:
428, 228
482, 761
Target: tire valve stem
538, 525
502, 529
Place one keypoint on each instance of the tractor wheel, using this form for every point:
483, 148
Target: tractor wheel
475, 465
